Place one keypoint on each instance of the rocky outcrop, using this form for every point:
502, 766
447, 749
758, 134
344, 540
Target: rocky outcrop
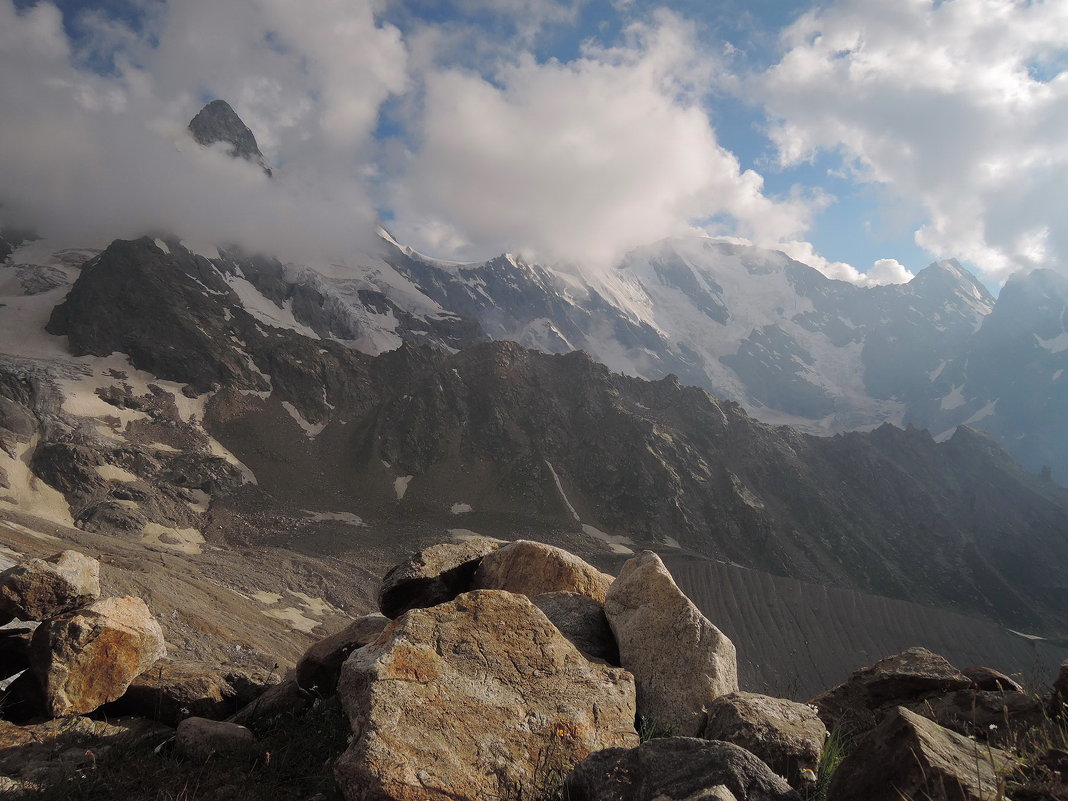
42, 588
433, 576
676, 769
680, 661
908, 756
88, 657
581, 619
988, 679
534, 568
788, 736
318, 669
201, 739
907, 678
477, 698
218, 122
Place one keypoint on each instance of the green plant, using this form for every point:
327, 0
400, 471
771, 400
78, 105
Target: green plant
836, 747
649, 729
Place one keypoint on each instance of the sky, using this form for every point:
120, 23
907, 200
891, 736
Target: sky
863, 137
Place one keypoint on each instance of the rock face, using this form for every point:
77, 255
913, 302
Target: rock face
680, 661
581, 619
534, 568
676, 769
906, 678
218, 122
88, 657
432, 576
477, 698
42, 588
908, 756
318, 669
788, 736
199, 738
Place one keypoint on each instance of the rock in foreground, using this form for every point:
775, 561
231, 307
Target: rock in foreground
676, 769
908, 756
432, 576
88, 657
680, 661
475, 699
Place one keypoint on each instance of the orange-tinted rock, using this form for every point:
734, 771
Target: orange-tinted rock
532, 568
41, 588
88, 657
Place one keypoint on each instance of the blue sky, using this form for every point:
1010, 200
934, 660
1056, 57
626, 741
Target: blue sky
851, 134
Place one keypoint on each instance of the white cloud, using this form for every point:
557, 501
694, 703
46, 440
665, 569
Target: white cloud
88, 155
956, 104
887, 271
580, 161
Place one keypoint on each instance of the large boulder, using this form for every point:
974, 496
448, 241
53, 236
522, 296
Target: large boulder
88, 657
680, 661
909, 756
984, 678
172, 690
533, 568
432, 576
318, 669
787, 735
42, 588
478, 698
908, 678
200, 739
676, 769
581, 619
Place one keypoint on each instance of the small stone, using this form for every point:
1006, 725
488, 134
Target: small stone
200, 738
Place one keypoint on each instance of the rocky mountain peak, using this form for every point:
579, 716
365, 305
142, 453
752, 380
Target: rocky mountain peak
218, 122
948, 277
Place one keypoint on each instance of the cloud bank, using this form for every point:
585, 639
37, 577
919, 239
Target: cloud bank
959, 105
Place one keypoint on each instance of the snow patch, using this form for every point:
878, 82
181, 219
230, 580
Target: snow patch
983, 413
162, 246
933, 375
1058, 374
340, 517
953, 400
311, 430
616, 542
29, 494
265, 310
400, 486
184, 540
1057, 344
110, 472
460, 508
560, 489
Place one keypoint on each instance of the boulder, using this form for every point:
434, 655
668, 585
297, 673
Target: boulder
676, 769
984, 678
432, 576
680, 661
42, 588
318, 669
533, 568
172, 690
200, 738
581, 619
993, 717
284, 700
909, 756
787, 735
907, 678
478, 698
88, 657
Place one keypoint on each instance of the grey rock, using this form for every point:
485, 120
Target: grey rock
42, 588
787, 735
680, 661
985, 678
432, 576
676, 769
218, 122
534, 568
201, 739
582, 620
908, 756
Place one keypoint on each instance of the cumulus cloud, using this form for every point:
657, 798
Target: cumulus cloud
580, 161
85, 155
959, 104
